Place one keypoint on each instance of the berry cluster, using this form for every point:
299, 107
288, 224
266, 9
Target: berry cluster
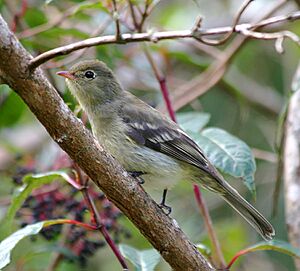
58, 200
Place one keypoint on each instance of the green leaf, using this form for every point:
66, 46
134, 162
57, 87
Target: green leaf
31, 182
35, 17
8, 244
12, 108
192, 121
90, 5
275, 245
143, 260
57, 32
229, 154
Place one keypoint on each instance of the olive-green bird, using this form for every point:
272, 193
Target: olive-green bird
146, 142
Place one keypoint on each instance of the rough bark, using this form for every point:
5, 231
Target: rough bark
40, 96
292, 171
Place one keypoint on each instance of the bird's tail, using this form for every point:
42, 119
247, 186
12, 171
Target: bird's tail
247, 211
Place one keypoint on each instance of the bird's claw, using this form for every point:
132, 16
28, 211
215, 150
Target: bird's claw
165, 208
137, 176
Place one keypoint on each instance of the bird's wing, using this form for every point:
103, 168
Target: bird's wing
160, 134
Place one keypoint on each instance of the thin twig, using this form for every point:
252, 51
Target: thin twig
154, 37
277, 36
144, 15
95, 217
19, 15
209, 227
162, 82
265, 155
79, 54
228, 34
133, 15
103, 229
211, 51
152, 5
117, 21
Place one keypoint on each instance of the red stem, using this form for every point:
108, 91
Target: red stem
236, 256
209, 226
18, 15
80, 224
102, 229
165, 93
95, 217
162, 83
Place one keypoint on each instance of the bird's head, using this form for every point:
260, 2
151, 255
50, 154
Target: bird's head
91, 81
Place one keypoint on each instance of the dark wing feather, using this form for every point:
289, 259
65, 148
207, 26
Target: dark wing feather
160, 134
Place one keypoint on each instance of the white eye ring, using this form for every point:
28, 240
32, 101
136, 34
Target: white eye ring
90, 74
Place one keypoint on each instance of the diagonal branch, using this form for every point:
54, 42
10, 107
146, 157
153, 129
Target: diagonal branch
43, 100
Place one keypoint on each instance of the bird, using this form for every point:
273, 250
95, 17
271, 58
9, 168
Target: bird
146, 142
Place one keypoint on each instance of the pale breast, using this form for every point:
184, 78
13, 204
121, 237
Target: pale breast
158, 167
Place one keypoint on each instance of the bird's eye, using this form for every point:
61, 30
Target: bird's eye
89, 74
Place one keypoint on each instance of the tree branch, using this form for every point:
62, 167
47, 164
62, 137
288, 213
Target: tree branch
69, 132
201, 84
292, 168
228, 34
157, 36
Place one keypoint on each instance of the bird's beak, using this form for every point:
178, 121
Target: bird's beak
66, 74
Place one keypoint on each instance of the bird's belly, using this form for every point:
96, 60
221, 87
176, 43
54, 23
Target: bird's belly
160, 170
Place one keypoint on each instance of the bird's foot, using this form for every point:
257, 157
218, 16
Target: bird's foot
166, 209
137, 175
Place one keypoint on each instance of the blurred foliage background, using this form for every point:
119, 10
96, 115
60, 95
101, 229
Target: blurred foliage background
247, 102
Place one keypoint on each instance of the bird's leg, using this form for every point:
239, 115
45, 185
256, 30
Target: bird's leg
137, 175
167, 209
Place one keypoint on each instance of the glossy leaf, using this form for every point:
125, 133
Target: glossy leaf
31, 182
275, 245
229, 154
143, 260
8, 244
192, 121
